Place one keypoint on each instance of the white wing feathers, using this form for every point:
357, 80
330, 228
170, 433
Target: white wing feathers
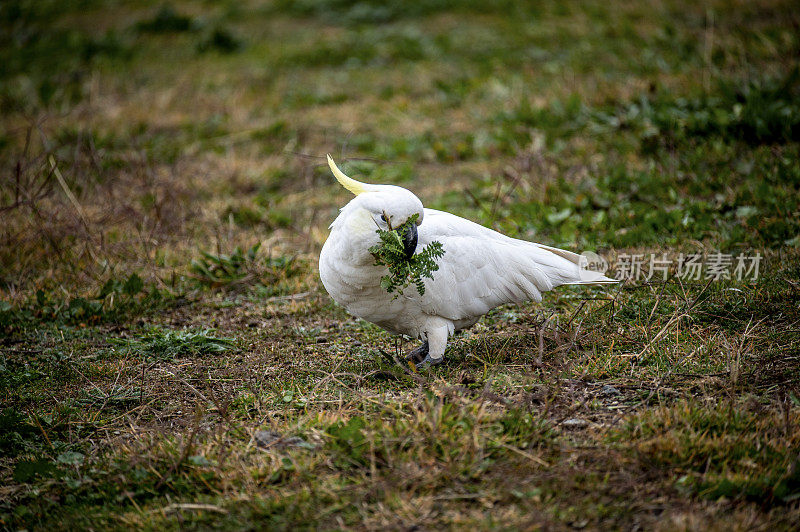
482, 268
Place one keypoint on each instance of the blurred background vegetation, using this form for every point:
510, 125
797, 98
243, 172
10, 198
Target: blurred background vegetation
136, 135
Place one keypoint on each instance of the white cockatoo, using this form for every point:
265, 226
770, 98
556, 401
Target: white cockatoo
480, 269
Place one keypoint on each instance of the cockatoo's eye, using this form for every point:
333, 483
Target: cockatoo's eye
385, 218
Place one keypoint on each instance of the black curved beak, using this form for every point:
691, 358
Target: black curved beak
410, 240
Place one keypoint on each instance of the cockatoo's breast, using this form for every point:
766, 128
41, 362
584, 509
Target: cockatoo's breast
352, 279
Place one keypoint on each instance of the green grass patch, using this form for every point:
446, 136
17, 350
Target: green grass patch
163, 344
117, 300
730, 450
243, 268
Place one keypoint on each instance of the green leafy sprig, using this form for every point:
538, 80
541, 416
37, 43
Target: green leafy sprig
403, 271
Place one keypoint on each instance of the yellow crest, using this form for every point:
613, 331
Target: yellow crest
350, 184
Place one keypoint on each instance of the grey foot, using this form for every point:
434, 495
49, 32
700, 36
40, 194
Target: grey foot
418, 354
428, 361
421, 358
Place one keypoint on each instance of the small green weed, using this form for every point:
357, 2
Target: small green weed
241, 268
115, 301
163, 344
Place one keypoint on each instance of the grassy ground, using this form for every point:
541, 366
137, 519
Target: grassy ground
169, 358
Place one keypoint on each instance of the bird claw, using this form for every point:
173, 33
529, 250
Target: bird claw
419, 354
427, 361
420, 357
